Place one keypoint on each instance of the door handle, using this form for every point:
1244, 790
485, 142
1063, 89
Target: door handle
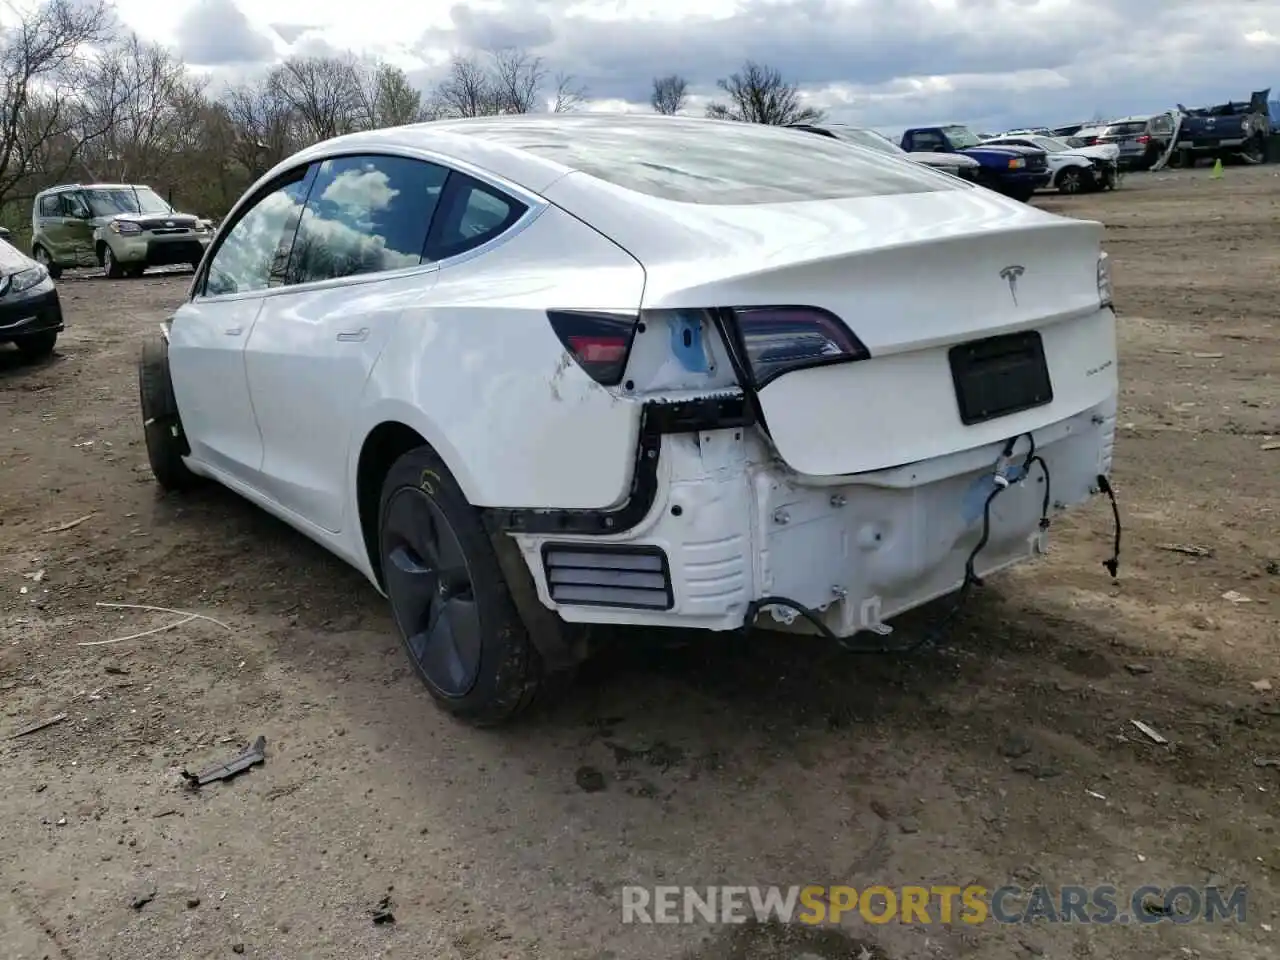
354, 336
233, 331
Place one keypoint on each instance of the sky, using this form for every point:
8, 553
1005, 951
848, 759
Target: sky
886, 64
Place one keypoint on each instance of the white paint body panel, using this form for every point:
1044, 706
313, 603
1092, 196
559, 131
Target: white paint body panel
462, 353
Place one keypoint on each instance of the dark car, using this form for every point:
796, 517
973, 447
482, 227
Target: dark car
30, 312
1142, 140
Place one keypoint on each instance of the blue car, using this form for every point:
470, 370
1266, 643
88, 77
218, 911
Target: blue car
1016, 172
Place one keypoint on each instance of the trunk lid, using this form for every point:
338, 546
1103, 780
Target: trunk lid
912, 276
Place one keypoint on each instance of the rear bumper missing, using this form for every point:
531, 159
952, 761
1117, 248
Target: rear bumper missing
728, 525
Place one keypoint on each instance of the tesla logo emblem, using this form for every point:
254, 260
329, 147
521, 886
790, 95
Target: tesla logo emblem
1011, 274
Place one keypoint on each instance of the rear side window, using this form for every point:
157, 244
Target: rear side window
472, 213
49, 206
365, 214
253, 253
705, 162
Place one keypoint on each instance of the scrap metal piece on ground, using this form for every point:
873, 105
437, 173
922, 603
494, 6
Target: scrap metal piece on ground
35, 727
255, 755
1150, 732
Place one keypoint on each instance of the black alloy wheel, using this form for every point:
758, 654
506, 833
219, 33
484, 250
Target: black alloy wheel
451, 602
432, 597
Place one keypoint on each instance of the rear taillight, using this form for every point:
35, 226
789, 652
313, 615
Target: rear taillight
1105, 289
781, 339
599, 342
1144, 139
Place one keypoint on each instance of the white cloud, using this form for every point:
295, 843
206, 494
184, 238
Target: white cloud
995, 63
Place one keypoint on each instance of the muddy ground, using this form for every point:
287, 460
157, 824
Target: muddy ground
1005, 756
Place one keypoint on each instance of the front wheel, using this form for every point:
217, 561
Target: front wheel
451, 604
36, 346
110, 265
161, 426
1070, 180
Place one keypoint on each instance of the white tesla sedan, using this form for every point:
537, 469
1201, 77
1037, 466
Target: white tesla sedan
533, 371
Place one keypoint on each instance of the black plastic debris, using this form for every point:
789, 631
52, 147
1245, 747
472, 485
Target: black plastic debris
382, 912
255, 755
144, 897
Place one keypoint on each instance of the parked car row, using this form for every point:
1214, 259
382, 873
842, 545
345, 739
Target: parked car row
1237, 128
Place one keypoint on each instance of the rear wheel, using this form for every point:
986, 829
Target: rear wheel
135, 271
451, 604
1255, 150
36, 346
43, 257
162, 428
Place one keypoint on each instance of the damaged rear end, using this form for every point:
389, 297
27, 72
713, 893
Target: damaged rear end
852, 405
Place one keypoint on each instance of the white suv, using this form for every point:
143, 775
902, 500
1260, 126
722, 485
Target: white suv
530, 371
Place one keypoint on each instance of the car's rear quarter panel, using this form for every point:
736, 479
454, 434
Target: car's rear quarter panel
475, 368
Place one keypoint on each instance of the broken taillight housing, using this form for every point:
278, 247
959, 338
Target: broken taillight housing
600, 342
778, 340
1105, 289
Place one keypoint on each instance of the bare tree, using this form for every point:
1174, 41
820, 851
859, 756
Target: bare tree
569, 94
517, 80
387, 97
43, 59
263, 124
467, 89
670, 93
322, 92
758, 94
133, 92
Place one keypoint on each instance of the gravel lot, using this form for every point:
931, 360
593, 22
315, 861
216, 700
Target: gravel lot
1006, 756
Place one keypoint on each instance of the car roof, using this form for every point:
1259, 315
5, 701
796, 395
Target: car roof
60, 188
520, 148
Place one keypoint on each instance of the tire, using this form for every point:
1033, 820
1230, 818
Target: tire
161, 426
1070, 180
470, 649
135, 272
36, 346
1255, 150
45, 259
110, 265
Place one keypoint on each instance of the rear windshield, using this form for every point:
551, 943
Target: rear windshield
1125, 129
711, 162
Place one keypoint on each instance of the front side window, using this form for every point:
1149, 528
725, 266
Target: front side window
112, 201
365, 214
73, 205
253, 253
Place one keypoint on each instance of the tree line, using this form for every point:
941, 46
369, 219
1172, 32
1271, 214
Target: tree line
85, 101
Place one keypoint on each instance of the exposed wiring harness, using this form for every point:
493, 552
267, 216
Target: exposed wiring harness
935, 633
1113, 564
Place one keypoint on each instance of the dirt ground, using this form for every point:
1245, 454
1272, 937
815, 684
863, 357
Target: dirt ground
1007, 755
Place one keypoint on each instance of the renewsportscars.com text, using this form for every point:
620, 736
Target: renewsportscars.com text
1102, 904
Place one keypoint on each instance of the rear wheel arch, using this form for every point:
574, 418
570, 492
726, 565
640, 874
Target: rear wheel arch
382, 447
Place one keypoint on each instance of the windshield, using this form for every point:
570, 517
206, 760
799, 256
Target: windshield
1050, 144
871, 139
961, 137
107, 202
